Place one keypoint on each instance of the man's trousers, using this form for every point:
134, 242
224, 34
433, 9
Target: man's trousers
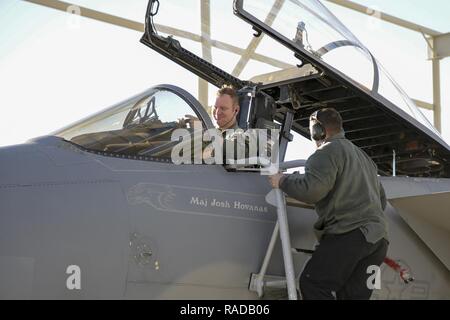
338, 269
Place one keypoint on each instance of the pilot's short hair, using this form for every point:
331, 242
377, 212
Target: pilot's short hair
330, 119
231, 91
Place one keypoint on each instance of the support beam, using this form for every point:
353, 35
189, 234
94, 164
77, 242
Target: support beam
256, 56
424, 105
254, 43
285, 74
436, 67
385, 17
440, 47
206, 29
437, 93
205, 12
89, 13
137, 26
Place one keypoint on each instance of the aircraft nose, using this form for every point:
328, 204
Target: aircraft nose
22, 164
45, 160
13, 160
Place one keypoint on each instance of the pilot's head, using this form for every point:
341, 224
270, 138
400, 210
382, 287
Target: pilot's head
226, 107
324, 123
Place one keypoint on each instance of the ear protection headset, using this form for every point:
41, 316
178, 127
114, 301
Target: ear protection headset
234, 113
318, 132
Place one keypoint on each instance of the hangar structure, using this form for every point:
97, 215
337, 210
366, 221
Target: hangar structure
438, 44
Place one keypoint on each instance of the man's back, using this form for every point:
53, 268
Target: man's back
341, 180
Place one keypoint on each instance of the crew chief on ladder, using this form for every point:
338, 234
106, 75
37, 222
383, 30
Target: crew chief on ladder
341, 180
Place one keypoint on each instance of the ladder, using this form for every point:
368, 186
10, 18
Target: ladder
257, 281
277, 198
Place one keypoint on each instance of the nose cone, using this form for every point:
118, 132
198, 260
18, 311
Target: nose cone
18, 164
44, 160
58, 209
23, 164
17, 220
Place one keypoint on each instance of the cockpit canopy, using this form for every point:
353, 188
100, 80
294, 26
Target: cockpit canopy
140, 127
304, 24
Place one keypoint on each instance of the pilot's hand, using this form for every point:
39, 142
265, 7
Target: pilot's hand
275, 180
208, 153
192, 120
181, 123
188, 120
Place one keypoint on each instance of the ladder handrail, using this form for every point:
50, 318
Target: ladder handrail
286, 244
276, 198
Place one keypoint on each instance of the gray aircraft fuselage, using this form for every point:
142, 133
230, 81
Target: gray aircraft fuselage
148, 230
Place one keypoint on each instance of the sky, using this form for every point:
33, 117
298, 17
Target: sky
57, 68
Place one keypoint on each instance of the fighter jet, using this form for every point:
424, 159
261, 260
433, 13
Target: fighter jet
99, 209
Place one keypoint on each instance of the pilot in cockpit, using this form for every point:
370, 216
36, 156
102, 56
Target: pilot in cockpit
226, 108
225, 113
234, 141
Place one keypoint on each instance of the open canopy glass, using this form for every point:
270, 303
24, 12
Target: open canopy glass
226, 41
